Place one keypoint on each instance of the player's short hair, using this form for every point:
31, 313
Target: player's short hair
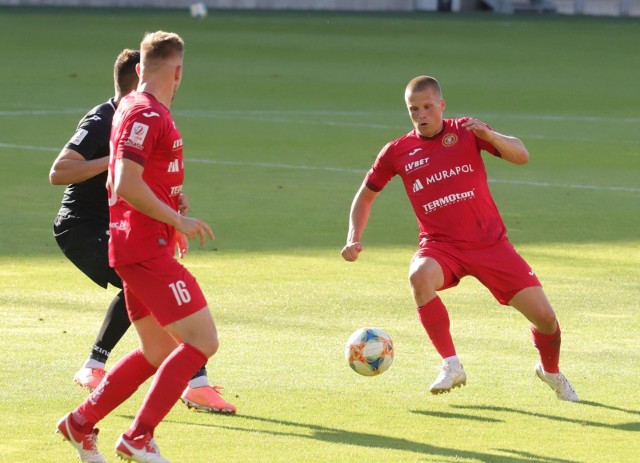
160, 45
420, 83
124, 71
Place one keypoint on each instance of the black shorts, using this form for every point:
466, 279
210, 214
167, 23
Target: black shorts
86, 243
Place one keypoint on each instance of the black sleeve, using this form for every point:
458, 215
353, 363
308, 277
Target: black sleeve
91, 139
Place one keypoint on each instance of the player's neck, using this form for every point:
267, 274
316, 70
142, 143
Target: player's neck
162, 92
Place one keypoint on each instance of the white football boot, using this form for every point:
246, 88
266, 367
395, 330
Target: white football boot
451, 375
560, 385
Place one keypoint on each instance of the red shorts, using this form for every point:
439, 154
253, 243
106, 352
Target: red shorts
499, 267
161, 287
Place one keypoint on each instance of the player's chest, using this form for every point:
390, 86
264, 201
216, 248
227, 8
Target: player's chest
426, 158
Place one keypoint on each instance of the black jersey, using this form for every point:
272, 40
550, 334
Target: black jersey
88, 199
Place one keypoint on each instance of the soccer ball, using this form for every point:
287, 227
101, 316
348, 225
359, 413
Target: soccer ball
369, 351
198, 10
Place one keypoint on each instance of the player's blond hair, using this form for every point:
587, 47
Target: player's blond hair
125, 77
160, 45
420, 83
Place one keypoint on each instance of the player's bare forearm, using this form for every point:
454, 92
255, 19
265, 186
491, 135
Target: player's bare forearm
358, 219
510, 148
71, 167
130, 186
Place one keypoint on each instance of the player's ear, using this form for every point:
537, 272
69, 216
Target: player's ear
138, 69
443, 104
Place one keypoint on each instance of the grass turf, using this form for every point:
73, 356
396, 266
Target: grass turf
281, 115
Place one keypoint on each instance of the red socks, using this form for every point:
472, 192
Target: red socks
435, 319
548, 346
118, 385
169, 383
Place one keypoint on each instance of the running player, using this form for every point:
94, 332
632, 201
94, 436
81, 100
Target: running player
461, 231
165, 303
81, 229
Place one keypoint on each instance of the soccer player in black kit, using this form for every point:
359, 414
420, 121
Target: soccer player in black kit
81, 229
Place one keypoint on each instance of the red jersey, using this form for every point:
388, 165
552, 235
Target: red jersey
143, 131
446, 182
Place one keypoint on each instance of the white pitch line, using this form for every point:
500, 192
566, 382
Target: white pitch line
28, 147
270, 165
295, 113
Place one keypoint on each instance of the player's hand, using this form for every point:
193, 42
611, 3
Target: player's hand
182, 244
479, 128
351, 251
183, 204
192, 227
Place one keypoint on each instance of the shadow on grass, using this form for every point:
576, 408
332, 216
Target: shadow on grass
630, 426
345, 437
609, 407
457, 416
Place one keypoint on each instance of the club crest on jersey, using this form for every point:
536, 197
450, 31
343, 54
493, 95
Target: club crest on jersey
137, 135
450, 139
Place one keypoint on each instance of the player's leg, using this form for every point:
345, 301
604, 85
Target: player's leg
545, 330
426, 275
114, 326
179, 305
198, 339
78, 426
85, 244
512, 282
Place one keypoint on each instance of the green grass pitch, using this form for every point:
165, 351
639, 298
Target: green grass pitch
282, 114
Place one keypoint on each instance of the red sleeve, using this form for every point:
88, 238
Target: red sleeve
138, 138
488, 147
382, 170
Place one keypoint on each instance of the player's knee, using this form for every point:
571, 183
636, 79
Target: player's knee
546, 322
423, 279
208, 345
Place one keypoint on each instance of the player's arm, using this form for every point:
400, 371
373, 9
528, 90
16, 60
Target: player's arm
71, 167
129, 185
358, 219
510, 148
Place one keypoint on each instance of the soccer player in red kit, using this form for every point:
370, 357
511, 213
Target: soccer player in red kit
461, 231
81, 229
165, 303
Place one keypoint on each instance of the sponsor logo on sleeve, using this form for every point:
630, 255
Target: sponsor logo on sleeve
137, 135
78, 137
151, 114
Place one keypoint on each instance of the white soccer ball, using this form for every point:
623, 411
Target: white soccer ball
369, 351
198, 10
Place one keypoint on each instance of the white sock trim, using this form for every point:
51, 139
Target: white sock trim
92, 363
453, 361
200, 381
